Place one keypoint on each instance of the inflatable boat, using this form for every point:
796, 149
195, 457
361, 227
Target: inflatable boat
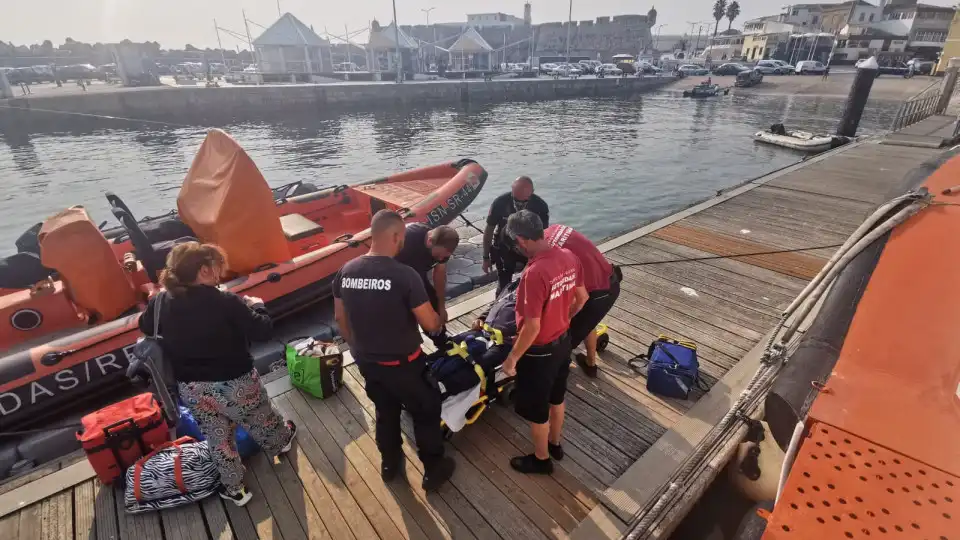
70, 336
799, 140
704, 89
877, 433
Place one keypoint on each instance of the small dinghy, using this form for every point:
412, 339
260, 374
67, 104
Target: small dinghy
803, 141
705, 89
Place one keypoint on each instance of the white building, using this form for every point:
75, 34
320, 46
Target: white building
493, 20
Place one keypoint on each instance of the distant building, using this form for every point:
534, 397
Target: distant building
494, 20
951, 47
289, 46
724, 46
382, 49
470, 52
925, 26
764, 37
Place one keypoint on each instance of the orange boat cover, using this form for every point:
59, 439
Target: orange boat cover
226, 201
73, 245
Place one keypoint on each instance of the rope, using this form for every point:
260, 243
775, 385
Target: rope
469, 223
713, 257
101, 116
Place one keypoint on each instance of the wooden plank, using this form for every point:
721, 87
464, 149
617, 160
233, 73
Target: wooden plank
136, 526
105, 512
217, 523
602, 523
496, 508
259, 511
183, 523
406, 511
322, 501
447, 494
44, 487
473, 442
57, 516
272, 490
349, 508
84, 511
10, 526
31, 522
242, 522
615, 429
440, 512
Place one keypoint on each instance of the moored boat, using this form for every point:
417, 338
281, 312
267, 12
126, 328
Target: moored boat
799, 140
71, 337
705, 89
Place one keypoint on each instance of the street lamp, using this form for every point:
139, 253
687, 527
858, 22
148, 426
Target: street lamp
427, 13
656, 42
396, 36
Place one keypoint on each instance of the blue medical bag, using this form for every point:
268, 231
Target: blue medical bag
187, 427
672, 367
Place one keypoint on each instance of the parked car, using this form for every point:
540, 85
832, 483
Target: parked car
810, 67
566, 70
78, 71
790, 69
646, 67
773, 67
729, 69
610, 70
546, 68
692, 69
589, 66
922, 67
749, 77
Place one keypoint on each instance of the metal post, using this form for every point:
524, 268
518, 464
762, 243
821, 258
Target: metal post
697, 46
656, 42
569, 27
396, 33
220, 45
949, 83
253, 51
857, 99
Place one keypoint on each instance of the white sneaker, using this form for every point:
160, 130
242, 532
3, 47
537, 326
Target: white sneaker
293, 435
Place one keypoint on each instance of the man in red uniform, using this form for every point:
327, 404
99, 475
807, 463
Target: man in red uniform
551, 292
602, 281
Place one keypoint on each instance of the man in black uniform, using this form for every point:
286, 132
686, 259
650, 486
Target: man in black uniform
378, 303
497, 246
425, 249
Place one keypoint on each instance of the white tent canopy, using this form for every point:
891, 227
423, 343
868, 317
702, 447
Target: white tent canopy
289, 31
386, 38
471, 42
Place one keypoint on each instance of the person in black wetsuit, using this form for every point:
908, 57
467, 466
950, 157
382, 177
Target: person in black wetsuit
425, 250
498, 248
378, 303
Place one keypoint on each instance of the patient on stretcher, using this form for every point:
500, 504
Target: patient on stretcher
486, 346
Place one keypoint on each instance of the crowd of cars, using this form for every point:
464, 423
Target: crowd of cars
41, 74
596, 67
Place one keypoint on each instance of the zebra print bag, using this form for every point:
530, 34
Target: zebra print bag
174, 474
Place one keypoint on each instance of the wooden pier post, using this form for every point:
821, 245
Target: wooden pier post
859, 92
949, 83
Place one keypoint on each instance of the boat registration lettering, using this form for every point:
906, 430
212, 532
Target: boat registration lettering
65, 380
456, 203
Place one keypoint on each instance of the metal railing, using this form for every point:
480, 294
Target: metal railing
917, 108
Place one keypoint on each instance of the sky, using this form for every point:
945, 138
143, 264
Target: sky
175, 23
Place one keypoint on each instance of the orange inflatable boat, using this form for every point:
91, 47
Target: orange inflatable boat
72, 334
879, 450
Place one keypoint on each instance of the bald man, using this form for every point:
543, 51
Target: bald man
378, 303
498, 248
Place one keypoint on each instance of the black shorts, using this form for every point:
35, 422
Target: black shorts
596, 308
542, 380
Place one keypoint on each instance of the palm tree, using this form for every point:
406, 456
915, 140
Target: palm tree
733, 11
719, 10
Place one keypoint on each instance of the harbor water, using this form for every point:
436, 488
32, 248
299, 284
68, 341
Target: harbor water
603, 165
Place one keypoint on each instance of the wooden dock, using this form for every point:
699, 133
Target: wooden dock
621, 441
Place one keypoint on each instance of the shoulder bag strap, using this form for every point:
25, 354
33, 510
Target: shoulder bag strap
157, 305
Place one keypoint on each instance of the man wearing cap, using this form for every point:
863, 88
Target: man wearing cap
498, 248
551, 292
378, 303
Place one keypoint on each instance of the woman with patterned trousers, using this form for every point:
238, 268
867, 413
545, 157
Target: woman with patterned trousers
205, 333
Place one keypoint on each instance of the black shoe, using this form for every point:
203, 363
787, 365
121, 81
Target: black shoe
529, 464
439, 473
588, 370
556, 451
239, 496
389, 469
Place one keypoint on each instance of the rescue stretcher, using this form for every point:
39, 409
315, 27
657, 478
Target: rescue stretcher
503, 384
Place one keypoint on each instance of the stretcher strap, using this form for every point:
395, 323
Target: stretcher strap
496, 334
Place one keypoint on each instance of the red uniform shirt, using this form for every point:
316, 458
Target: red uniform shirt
547, 292
596, 269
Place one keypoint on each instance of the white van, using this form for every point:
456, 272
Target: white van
807, 67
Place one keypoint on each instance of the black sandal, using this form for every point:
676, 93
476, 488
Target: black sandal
588, 370
530, 464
